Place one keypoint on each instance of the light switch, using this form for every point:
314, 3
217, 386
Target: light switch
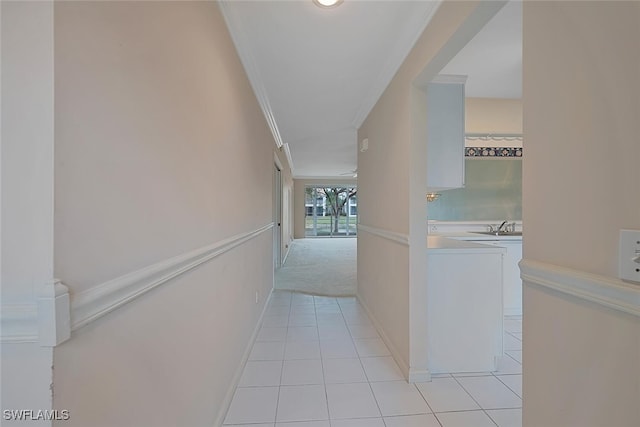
629, 255
364, 145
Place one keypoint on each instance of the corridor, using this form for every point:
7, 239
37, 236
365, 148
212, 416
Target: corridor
320, 266
320, 362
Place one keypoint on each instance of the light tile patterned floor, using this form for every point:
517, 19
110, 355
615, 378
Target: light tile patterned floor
319, 362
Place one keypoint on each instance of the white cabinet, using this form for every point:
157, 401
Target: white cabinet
464, 307
512, 292
445, 133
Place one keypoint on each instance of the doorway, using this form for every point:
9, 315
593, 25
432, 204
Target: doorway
277, 216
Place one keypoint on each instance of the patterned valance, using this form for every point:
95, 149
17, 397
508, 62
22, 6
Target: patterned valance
493, 152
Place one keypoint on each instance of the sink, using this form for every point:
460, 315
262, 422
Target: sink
499, 233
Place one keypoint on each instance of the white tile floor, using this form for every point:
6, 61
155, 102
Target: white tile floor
319, 362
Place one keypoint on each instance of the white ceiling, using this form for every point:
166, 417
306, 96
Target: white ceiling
318, 72
492, 60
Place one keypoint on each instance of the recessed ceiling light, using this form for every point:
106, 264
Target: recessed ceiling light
327, 3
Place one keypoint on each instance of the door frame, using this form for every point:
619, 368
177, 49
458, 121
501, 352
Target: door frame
277, 213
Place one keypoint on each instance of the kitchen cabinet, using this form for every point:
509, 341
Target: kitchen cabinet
445, 133
512, 293
464, 306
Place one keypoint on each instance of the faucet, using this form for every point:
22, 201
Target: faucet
501, 225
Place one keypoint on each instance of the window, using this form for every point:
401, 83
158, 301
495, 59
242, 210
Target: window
330, 211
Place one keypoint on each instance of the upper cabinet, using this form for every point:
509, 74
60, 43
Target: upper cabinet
445, 133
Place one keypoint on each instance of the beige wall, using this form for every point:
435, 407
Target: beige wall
161, 148
580, 363
299, 198
156, 153
580, 187
581, 115
392, 185
493, 115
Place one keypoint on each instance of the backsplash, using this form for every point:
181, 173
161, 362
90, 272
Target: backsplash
436, 226
493, 190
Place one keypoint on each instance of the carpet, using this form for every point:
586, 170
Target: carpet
320, 266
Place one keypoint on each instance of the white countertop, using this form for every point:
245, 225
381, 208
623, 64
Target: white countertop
467, 235
441, 244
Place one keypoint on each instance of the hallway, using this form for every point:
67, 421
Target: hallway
319, 362
320, 266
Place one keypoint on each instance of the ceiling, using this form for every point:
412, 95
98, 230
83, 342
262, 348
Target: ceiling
492, 60
318, 72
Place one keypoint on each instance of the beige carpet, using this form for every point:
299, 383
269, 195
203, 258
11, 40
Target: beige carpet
320, 266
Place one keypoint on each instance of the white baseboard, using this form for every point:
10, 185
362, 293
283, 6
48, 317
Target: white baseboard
419, 376
226, 403
412, 375
404, 368
286, 254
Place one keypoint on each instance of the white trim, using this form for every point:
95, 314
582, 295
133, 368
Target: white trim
226, 402
511, 311
277, 161
286, 254
607, 291
449, 79
394, 351
492, 142
93, 303
246, 57
54, 314
403, 239
287, 152
44, 321
419, 376
347, 181
397, 56
19, 323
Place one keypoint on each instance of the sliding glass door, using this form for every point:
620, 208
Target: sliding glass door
331, 211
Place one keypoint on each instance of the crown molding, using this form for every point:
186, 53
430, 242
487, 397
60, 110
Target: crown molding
347, 181
287, 153
246, 57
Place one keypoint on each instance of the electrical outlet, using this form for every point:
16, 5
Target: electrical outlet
629, 255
